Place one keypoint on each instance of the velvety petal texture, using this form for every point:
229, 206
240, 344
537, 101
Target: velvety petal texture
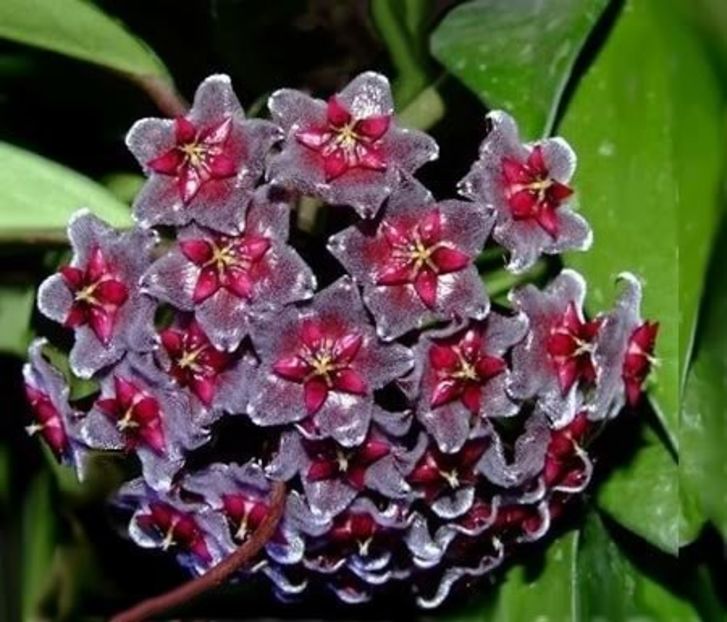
415, 262
527, 187
97, 295
348, 150
134, 415
226, 280
320, 365
422, 433
202, 167
53, 417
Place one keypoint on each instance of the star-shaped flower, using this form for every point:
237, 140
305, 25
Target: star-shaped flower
240, 493
556, 358
416, 262
567, 465
527, 187
446, 481
54, 419
227, 279
133, 415
97, 294
462, 377
202, 166
216, 378
348, 151
162, 520
625, 352
320, 365
333, 475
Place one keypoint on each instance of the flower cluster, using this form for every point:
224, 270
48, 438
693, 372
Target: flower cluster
422, 431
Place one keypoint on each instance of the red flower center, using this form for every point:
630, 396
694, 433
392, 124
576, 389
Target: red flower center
176, 529
561, 464
195, 362
418, 256
97, 296
323, 363
570, 346
244, 513
436, 472
532, 193
48, 422
135, 414
329, 460
639, 359
226, 262
198, 156
355, 528
347, 143
462, 368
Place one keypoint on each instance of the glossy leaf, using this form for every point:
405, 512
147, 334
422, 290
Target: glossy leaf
647, 177
517, 54
643, 495
611, 588
37, 196
546, 592
703, 432
78, 29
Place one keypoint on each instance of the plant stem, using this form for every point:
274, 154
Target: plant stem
163, 94
217, 574
412, 78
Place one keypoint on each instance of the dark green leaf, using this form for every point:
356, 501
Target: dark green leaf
643, 495
611, 588
16, 305
37, 197
533, 592
703, 432
517, 54
643, 166
79, 29
38, 543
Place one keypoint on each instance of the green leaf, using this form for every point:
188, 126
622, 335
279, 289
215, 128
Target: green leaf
611, 588
78, 29
703, 432
38, 196
546, 593
643, 495
16, 306
517, 54
38, 544
645, 165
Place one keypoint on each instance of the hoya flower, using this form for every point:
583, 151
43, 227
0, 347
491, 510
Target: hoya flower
240, 493
334, 475
97, 294
446, 481
557, 357
133, 415
217, 379
225, 279
526, 459
361, 541
463, 377
348, 151
320, 365
567, 465
625, 352
194, 533
527, 187
54, 419
204, 166
416, 263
